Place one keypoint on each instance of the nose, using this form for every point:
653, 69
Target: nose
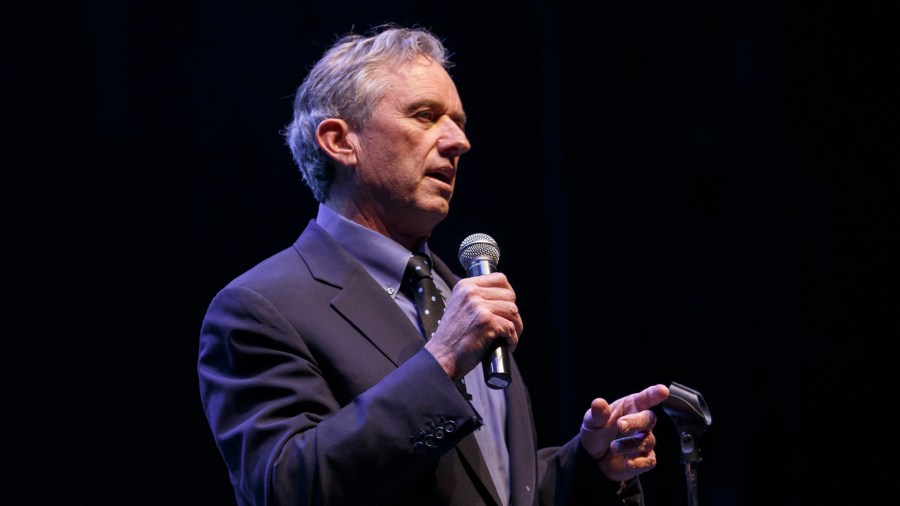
453, 140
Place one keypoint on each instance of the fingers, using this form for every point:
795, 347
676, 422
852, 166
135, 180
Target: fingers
620, 435
629, 456
640, 462
631, 412
599, 415
488, 303
637, 451
645, 399
623, 427
639, 443
597, 431
480, 310
650, 396
634, 422
637, 403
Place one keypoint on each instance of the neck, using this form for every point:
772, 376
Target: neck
405, 232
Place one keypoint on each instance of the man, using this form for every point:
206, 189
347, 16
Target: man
318, 382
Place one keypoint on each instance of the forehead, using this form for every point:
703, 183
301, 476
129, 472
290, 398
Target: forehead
422, 80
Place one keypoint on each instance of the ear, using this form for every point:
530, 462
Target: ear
334, 136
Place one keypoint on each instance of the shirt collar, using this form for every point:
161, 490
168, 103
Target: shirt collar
383, 258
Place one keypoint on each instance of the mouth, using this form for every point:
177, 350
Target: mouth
443, 174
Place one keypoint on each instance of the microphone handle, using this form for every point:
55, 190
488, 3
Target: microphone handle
497, 371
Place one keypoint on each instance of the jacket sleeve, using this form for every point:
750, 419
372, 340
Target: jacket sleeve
285, 437
568, 475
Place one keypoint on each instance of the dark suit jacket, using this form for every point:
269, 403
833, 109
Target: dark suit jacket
318, 391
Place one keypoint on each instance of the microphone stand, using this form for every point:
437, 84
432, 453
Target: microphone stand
687, 409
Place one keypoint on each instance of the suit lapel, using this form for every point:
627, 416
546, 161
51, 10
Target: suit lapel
520, 438
472, 458
365, 304
360, 299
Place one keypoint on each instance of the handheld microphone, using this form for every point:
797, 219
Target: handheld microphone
479, 255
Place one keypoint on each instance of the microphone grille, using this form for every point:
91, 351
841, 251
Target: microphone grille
478, 246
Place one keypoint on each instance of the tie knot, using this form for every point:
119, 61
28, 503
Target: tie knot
418, 267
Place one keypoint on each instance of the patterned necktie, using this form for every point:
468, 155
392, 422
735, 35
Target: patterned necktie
429, 301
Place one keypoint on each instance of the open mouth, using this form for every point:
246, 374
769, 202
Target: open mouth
444, 175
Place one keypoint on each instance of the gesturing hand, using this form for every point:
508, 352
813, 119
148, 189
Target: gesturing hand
620, 435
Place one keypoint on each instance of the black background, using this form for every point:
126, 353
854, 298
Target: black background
682, 191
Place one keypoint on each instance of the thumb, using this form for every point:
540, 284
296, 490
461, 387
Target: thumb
598, 429
598, 416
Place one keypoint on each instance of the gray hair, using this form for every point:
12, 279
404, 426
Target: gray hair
347, 82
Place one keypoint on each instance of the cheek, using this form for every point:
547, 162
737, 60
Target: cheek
395, 158
386, 147
373, 154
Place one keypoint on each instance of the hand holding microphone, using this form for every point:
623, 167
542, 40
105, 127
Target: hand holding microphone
479, 255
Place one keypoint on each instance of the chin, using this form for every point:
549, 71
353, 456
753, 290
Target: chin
437, 204
435, 214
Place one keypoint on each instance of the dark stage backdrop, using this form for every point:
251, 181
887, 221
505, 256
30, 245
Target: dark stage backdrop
682, 191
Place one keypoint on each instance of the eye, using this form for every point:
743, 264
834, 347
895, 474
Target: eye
426, 115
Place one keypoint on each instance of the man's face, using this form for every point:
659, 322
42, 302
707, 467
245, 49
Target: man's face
407, 155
